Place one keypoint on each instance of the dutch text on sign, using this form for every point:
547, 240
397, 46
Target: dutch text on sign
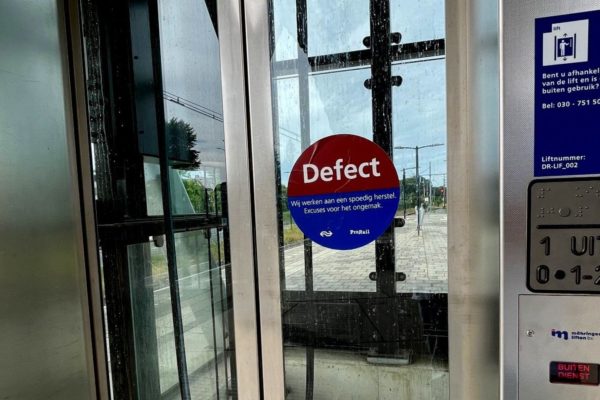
343, 191
574, 373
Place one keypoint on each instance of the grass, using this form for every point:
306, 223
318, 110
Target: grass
292, 235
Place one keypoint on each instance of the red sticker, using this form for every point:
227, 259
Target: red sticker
343, 191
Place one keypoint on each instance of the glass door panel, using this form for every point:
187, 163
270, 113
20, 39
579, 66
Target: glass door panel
327, 90
419, 119
156, 122
335, 26
430, 15
204, 311
371, 322
194, 137
152, 317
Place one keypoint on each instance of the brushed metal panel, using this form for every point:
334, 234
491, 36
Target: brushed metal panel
42, 340
540, 315
472, 59
239, 194
518, 18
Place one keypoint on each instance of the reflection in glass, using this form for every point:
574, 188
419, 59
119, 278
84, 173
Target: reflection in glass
202, 294
196, 157
203, 305
193, 105
164, 269
152, 319
154, 205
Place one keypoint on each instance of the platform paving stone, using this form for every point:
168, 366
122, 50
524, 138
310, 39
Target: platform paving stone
423, 258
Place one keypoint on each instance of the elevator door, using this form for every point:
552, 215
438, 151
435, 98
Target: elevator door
169, 173
370, 322
159, 179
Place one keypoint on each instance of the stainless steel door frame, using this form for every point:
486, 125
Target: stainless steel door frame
71, 40
94, 318
239, 186
472, 55
257, 25
244, 34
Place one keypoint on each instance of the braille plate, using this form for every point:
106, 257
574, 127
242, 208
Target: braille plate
564, 236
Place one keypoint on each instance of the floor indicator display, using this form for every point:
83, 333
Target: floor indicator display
343, 192
567, 94
575, 373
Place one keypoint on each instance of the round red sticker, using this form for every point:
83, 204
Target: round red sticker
343, 191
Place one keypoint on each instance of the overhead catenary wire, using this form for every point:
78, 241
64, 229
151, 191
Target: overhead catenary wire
193, 106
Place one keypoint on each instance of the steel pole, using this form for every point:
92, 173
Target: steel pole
418, 189
404, 191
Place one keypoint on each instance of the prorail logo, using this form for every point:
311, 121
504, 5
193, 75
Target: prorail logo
574, 335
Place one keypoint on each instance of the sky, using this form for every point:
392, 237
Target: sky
339, 103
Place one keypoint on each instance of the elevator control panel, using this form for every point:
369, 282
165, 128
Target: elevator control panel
551, 199
564, 236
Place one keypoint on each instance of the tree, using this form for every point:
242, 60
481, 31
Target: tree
182, 139
196, 193
409, 192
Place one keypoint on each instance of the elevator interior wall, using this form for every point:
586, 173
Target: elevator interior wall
42, 320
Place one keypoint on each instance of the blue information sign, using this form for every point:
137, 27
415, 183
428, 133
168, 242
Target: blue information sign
567, 94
